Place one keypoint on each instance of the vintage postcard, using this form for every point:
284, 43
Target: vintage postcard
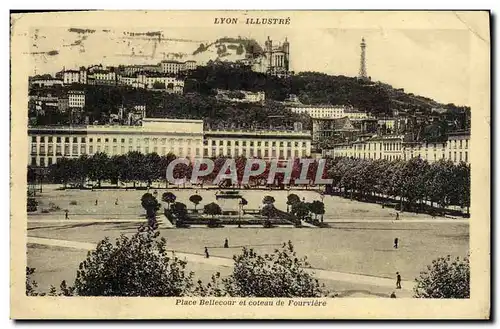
250, 165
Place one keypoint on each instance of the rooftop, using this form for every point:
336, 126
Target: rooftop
322, 106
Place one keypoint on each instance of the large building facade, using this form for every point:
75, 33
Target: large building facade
184, 138
265, 144
329, 111
76, 99
174, 67
394, 147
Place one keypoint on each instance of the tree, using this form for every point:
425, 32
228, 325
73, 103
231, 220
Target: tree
99, 167
196, 199
151, 168
116, 165
158, 85
169, 198
31, 285
136, 266
317, 208
268, 211
179, 209
268, 200
291, 200
444, 278
278, 274
212, 209
151, 205
31, 204
62, 171
301, 210
412, 180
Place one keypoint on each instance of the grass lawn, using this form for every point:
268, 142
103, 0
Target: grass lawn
357, 247
361, 248
129, 206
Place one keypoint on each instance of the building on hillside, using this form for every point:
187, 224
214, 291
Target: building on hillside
241, 96
167, 82
102, 77
354, 114
328, 111
387, 124
131, 81
265, 144
330, 129
63, 104
184, 138
152, 80
190, 65
43, 104
76, 99
128, 70
46, 82
135, 115
73, 76
174, 67
388, 147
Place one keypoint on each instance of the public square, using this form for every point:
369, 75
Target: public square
353, 257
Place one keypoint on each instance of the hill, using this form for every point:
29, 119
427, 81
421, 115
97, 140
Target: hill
312, 88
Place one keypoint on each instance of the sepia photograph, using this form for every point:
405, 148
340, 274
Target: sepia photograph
250, 164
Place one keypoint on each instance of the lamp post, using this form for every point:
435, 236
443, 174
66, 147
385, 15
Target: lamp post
322, 196
239, 213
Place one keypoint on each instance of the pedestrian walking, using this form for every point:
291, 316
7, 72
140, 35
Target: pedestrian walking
116, 202
396, 241
398, 280
96, 202
207, 255
226, 243
66, 214
397, 216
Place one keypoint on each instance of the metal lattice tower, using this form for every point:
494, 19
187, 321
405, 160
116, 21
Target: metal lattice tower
362, 64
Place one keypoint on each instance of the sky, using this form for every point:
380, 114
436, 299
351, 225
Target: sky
431, 63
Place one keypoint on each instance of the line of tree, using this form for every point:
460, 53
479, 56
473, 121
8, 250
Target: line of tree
413, 182
135, 167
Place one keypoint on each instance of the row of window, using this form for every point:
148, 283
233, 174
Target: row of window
461, 156
46, 159
254, 153
50, 139
74, 150
397, 146
258, 143
83, 140
460, 143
